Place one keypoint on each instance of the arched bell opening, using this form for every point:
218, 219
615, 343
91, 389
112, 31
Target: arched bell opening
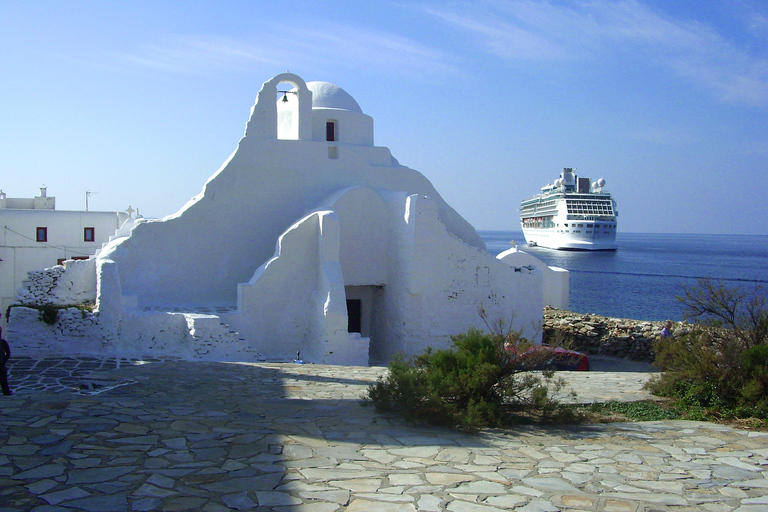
273, 118
287, 111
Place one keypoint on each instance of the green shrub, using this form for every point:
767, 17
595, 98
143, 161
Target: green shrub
719, 370
49, 313
755, 390
703, 371
705, 357
475, 383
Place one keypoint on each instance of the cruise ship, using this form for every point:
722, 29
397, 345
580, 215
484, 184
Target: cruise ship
573, 213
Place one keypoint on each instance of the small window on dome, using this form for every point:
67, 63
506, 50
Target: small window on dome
330, 131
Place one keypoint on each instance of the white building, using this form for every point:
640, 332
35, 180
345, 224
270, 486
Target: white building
555, 280
36, 236
309, 238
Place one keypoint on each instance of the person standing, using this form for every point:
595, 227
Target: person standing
666, 332
5, 355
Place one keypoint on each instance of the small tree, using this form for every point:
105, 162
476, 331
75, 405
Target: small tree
475, 383
739, 309
719, 368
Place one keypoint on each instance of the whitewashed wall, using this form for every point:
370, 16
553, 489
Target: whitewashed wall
556, 282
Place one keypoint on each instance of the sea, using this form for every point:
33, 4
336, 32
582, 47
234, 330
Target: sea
643, 278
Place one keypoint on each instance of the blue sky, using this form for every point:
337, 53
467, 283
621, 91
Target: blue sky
141, 102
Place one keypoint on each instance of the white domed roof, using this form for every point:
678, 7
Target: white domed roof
327, 95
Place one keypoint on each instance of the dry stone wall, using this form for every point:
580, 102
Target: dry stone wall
74, 282
39, 285
594, 334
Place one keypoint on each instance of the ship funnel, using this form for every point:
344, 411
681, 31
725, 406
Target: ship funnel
567, 176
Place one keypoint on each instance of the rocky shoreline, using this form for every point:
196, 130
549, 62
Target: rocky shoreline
599, 335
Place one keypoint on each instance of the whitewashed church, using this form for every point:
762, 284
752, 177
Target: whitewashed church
308, 239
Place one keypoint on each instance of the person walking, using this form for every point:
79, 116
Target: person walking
5, 355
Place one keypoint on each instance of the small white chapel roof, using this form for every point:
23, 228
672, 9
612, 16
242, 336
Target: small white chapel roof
327, 95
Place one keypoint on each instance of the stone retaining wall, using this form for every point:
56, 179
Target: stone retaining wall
594, 334
73, 282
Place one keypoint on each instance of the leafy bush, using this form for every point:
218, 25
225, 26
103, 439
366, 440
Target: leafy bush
755, 389
49, 314
718, 370
475, 383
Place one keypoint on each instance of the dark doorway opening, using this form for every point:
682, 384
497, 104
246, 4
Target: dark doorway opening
354, 315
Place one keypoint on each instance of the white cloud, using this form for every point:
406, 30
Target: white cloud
540, 30
192, 54
754, 15
293, 47
357, 47
505, 38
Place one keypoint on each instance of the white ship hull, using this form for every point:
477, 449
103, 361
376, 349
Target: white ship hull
551, 239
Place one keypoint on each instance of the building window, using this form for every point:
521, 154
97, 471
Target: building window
89, 234
330, 131
61, 261
41, 234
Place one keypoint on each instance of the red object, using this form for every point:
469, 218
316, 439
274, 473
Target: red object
553, 358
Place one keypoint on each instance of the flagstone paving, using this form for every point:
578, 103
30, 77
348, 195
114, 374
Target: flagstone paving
125, 435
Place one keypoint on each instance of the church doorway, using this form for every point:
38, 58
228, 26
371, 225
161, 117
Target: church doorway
365, 310
354, 315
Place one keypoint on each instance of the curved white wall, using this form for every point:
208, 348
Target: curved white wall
556, 284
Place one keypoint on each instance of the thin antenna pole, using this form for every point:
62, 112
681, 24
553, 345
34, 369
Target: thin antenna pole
87, 196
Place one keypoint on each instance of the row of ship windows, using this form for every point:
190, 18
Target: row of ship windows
589, 204
41, 234
606, 226
579, 231
541, 210
574, 225
606, 210
539, 223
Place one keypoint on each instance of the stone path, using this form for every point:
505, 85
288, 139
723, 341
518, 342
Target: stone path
56, 374
216, 437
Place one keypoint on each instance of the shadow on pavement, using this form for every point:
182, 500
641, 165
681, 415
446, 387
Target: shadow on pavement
614, 364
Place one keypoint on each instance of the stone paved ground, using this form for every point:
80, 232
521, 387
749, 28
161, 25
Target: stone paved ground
116, 435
